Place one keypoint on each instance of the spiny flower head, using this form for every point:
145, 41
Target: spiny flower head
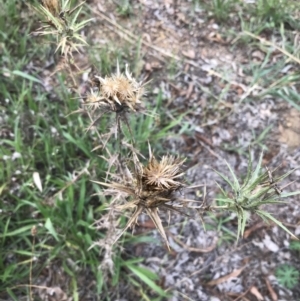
109, 87
148, 188
163, 175
121, 91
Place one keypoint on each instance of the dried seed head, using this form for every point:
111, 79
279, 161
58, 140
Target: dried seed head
125, 88
163, 175
109, 87
53, 6
34, 231
93, 98
121, 91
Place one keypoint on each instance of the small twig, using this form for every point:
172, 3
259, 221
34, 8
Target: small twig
211, 151
191, 249
263, 41
204, 139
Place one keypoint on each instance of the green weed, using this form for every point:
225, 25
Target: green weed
124, 8
274, 13
287, 276
295, 245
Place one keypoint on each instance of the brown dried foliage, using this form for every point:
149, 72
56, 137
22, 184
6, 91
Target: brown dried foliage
148, 188
118, 94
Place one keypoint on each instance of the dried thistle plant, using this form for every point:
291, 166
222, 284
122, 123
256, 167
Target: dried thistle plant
119, 94
61, 21
258, 189
108, 223
148, 188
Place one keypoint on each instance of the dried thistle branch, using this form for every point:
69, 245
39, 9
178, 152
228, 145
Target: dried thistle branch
149, 188
119, 94
108, 223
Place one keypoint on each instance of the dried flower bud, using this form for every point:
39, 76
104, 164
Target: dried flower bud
163, 175
93, 100
121, 91
33, 231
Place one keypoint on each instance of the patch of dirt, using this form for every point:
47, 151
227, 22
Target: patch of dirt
289, 129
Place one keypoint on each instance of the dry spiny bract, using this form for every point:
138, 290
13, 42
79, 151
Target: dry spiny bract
121, 92
148, 188
93, 100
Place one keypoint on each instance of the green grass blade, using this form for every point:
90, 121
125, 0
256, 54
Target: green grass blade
76, 16
50, 228
81, 201
267, 215
241, 222
244, 221
236, 183
249, 171
222, 190
257, 169
278, 179
287, 194
225, 179
26, 76
77, 143
228, 201
17, 231
82, 24
140, 273
12, 295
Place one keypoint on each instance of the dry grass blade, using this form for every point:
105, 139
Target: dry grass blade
117, 187
264, 41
